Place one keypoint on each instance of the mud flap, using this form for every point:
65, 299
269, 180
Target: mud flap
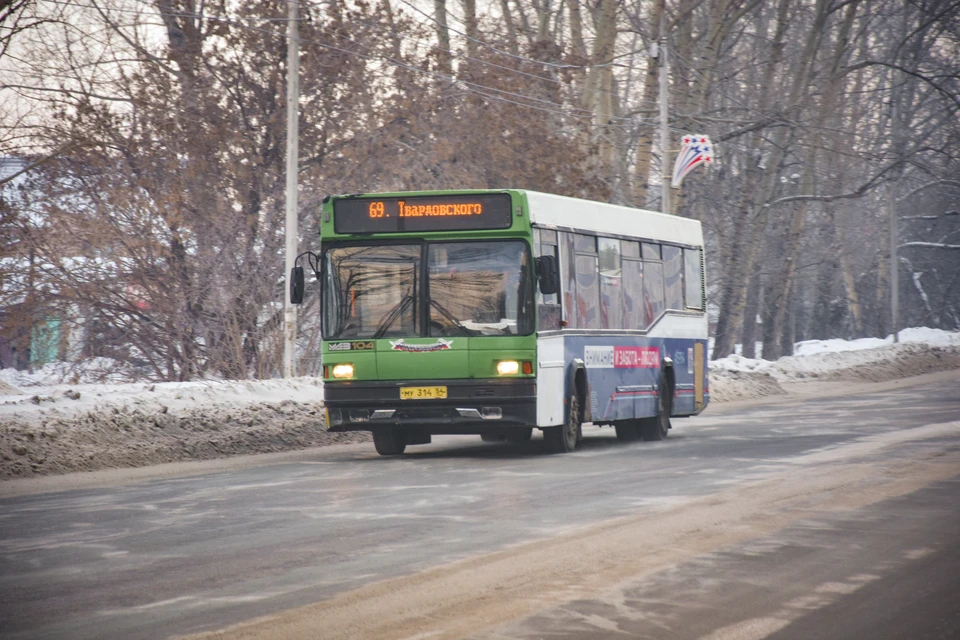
698, 377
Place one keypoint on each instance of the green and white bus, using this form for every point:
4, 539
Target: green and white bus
497, 312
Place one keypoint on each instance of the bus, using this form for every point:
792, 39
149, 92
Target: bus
497, 312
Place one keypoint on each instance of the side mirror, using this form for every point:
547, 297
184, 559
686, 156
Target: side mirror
296, 285
548, 275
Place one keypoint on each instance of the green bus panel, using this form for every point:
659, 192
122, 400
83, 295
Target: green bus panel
450, 358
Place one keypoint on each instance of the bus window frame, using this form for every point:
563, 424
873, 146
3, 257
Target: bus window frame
423, 304
573, 322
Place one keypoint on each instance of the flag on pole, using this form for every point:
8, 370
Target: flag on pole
697, 149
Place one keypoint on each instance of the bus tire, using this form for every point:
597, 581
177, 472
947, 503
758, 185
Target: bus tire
627, 431
564, 438
389, 442
519, 435
654, 429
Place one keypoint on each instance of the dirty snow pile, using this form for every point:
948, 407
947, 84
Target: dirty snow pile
59, 419
920, 350
59, 428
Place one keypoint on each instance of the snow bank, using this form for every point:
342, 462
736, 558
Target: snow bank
920, 351
918, 335
88, 371
63, 428
57, 420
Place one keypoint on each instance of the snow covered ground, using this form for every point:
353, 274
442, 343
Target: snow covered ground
920, 350
816, 357
60, 419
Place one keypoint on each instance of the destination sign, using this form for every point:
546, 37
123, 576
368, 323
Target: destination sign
422, 213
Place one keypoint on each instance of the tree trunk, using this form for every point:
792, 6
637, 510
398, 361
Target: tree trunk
825, 114
512, 45
598, 93
577, 47
602, 57
651, 79
727, 325
749, 338
443, 36
544, 11
849, 283
788, 335
470, 22
744, 260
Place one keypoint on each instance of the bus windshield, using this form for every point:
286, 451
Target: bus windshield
468, 289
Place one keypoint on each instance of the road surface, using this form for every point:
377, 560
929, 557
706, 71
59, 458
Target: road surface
830, 517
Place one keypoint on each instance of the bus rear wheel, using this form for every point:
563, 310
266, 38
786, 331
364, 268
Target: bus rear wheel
389, 442
653, 429
564, 438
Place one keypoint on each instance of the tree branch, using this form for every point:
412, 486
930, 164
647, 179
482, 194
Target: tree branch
929, 245
867, 63
937, 217
858, 193
65, 91
952, 183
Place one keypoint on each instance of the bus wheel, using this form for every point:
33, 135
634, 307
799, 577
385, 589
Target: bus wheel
564, 438
519, 435
389, 442
627, 431
656, 428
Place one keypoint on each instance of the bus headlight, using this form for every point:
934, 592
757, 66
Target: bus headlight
343, 370
508, 367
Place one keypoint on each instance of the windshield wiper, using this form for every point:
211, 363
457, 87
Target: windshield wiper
449, 316
395, 313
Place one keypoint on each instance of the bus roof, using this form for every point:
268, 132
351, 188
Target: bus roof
562, 212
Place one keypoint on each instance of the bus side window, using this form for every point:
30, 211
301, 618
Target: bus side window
611, 284
568, 279
634, 316
672, 276
588, 292
588, 281
693, 278
653, 303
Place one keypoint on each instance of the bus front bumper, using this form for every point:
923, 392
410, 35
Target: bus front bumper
471, 406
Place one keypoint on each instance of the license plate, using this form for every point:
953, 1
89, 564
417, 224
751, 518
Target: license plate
422, 393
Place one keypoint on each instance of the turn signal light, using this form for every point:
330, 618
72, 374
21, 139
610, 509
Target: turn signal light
527, 367
343, 370
508, 367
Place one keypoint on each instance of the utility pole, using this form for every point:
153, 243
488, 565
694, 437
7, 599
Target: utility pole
894, 270
894, 221
664, 120
293, 135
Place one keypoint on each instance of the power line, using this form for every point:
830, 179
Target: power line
485, 91
506, 53
501, 67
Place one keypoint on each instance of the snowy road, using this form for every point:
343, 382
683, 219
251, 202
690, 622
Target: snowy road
775, 520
